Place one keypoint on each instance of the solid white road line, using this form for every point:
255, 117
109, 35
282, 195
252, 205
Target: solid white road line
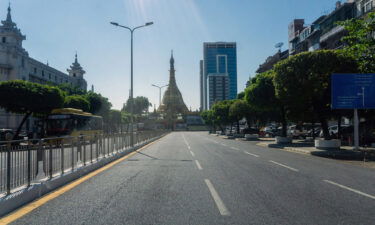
234, 148
187, 144
288, 167
192, 153
219, 203
198, 165
251, 154
350, 189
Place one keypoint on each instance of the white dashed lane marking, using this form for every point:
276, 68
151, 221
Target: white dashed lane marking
219, 203
198, 165
285, 166
350, 189
251, 154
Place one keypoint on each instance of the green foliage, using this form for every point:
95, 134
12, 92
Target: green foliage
241, 95
125, 117
221, 112
71, 90
360, 42
99, 105
141, 105
25, 97
262, 98
239, 109
77, 102
303, 82
261, 93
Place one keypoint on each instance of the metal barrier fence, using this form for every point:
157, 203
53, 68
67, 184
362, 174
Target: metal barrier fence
20, 161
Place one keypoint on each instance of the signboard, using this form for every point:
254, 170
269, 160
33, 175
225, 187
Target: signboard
353, 91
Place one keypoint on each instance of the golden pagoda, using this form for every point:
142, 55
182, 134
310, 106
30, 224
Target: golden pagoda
173, 102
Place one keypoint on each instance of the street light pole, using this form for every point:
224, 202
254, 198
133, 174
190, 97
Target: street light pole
131, 75
160, 87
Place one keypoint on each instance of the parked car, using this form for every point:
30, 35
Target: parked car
333, 130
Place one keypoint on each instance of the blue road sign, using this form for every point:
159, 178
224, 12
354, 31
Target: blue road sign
353, 91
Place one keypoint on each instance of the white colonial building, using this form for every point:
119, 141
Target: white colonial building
16, 64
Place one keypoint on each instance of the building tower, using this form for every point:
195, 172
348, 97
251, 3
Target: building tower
77, 72
219, 72
11, 40
173, 102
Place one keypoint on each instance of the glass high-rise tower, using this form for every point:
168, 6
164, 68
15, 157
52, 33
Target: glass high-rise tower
219, 72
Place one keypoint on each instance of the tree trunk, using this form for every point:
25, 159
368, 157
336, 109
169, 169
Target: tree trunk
313, 130
27, 115
283, 122
325, 130
339, 127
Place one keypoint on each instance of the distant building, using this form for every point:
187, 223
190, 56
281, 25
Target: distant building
201, 87
219, 60
218, 88
272, 60
16, 64
325, 33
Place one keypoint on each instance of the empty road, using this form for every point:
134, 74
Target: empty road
196, 178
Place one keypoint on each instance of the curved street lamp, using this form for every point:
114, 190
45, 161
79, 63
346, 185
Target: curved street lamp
160, 87
131, 73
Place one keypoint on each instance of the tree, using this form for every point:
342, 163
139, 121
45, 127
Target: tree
221, 113
241, 95
238, 110
28, 98
77, 102
303, 82
99, 105
360, 41
261, 96
71, 90
140, 105
209, 118
115, 120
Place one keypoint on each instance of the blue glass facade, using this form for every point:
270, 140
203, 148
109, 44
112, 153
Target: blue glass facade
220, 58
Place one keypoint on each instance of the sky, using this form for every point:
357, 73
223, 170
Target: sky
56, 29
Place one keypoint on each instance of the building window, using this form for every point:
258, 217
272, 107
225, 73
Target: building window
35, 70
367, 6
221, 64
4, 39
42, 73
74, 74
49, 76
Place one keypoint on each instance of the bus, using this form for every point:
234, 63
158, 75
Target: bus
73, 122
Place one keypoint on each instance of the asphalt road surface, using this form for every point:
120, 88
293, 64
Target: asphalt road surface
196, 178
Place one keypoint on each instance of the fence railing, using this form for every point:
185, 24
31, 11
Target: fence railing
25, 161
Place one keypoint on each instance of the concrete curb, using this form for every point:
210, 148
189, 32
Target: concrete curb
19, 198
284, 148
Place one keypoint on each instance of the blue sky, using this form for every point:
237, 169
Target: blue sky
55, 29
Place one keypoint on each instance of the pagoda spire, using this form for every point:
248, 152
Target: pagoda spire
172, 61
173, 102
9, 15
9, 22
